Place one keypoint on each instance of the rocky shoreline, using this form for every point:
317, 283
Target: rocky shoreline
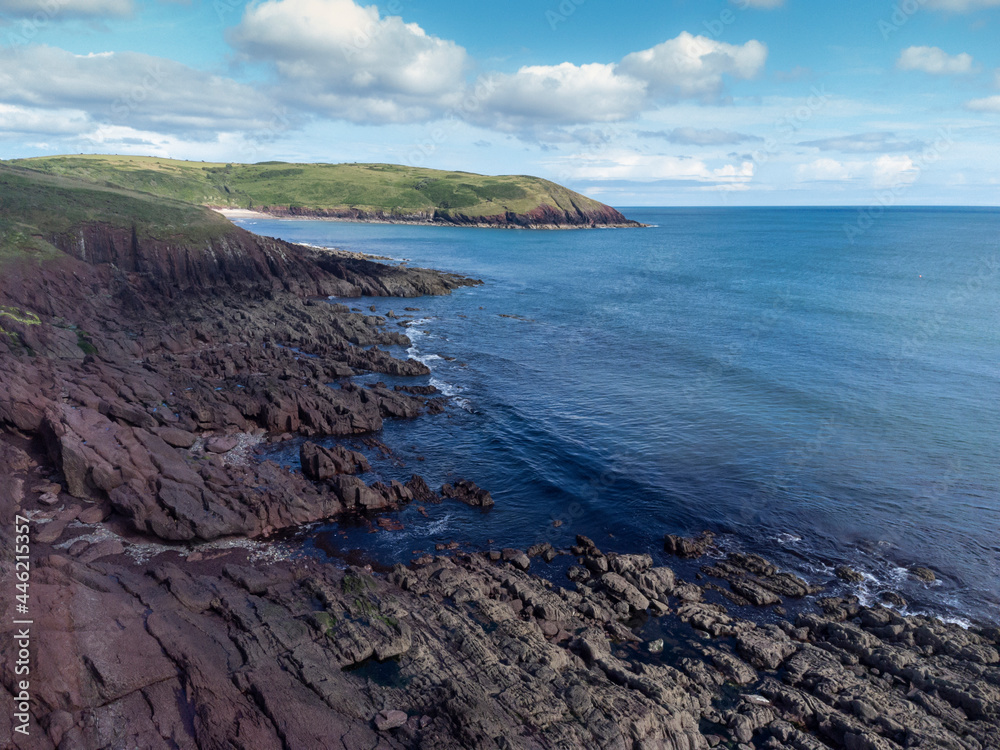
544, 217
139, 379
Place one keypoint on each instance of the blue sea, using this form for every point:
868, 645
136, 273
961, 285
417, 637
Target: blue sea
811, 392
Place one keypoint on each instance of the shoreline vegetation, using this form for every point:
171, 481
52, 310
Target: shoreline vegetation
150, 350
376, 193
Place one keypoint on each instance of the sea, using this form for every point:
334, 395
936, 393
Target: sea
820, 386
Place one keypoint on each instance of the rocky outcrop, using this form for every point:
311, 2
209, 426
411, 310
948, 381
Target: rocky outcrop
149, 371
319, 463
542, 217
217, 649
244, 261
469, 493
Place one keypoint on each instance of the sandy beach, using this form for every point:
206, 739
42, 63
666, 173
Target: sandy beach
242, 213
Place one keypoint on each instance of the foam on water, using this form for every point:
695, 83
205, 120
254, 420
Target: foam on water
449, 390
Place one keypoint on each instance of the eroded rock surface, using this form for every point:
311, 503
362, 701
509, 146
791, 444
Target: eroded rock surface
129, 415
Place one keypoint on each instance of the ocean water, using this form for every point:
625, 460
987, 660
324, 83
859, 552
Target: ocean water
819, 396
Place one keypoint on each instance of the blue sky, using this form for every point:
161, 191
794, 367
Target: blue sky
718, 102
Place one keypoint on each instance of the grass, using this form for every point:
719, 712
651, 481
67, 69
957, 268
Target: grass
369, 187
55, 204
84, 342
36, 207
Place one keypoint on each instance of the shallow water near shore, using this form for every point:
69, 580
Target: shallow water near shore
749, 371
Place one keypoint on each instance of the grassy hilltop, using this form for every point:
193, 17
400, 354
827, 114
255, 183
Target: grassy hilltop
34, 207
325, 189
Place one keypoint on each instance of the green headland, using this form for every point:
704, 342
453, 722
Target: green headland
380, 192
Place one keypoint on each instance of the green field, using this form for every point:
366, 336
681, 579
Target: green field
35, 207
387, 188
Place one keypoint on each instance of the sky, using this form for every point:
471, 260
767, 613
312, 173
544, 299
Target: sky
674, 102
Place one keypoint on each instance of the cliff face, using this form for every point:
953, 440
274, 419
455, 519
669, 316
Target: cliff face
543, 217
241, 260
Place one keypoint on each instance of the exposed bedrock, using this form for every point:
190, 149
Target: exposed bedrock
544, 216
149, 372
130, 413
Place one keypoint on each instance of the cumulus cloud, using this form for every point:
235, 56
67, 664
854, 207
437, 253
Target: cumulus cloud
560, 95
824, 170
935, 61
864, 143
691, 66
65, 8
687, 66
344, 60
129, 89
696, 137
890, 171
348, 61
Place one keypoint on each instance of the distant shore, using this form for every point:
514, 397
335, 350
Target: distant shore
422, 219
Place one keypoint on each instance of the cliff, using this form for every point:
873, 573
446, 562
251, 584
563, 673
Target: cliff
542, 217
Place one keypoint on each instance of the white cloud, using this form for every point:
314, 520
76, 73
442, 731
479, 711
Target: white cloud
988, 104
65, 8
865, 143
693, 66
883, 172
16, 120
961, 6
633, 166
560, 95
824, 170
129, 89
543, 95
891, 171
346, 61
349, 62
935, 61
758, 4
700, 137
